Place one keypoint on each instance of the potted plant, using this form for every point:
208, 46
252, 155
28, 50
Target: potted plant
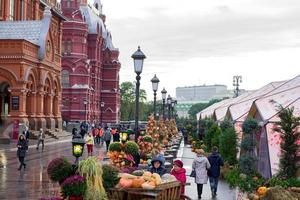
74, 187
59, 169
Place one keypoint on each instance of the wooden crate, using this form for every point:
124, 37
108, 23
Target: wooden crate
165, 191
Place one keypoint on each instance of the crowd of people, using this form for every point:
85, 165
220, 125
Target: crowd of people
203, 168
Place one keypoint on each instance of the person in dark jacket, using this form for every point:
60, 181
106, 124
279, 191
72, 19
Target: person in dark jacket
107, 137
157, 165
21, 152
82, 131
116, 135
216, 162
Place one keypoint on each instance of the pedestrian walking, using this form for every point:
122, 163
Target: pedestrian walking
74, 131
115, 134
179, 172
82, 131
216, 162
89, 140
107, 137
200, 166
100, 137
21, 152
95, 134
41, 139
26, 133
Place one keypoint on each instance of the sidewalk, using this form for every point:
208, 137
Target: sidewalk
33, 142
224, 192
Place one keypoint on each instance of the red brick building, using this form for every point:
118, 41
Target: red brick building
30, 63
90, 75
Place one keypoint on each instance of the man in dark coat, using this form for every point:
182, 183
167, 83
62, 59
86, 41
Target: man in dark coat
21, 152
82, 131
216, 162
158, 165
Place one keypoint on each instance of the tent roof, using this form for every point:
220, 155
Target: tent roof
240, 108
220, 112
267, 107
284, 95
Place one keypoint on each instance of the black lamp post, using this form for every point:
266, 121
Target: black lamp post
169, 102
173, 103
85, 102
155, 82
138, 59
102, 110
77, 148
236, 83
163, 95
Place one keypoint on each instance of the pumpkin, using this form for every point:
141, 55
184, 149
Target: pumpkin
125, 183
262, 190
137, 183
157, 178
148, 186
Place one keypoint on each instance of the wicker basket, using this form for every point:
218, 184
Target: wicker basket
165, 191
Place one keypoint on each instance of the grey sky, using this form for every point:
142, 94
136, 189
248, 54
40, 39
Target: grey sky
196, 42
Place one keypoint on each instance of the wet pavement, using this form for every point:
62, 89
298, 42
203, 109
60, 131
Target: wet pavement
224, 192
33, 183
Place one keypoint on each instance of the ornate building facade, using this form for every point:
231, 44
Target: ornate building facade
30, 63
90, 75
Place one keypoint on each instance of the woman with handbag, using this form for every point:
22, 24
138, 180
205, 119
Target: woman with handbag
199, 170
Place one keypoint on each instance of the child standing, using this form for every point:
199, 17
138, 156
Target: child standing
179, 172
90, 143
157, 165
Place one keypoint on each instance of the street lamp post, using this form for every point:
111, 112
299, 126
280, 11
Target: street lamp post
102, 106
138, 60
173, 103
155, 82
236, 83
169, 101
163, 95
85, 113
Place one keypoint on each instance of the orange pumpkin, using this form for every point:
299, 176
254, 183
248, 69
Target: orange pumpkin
262, 190
137, 183
126, 183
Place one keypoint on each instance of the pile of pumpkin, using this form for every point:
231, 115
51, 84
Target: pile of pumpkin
153, 131
146, 181
122, 155
146, 147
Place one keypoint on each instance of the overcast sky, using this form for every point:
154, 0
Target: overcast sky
195, 42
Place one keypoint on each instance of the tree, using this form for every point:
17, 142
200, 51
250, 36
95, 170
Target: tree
290, 158
228, 142
196, 108
248, 159
212, 134
128, 102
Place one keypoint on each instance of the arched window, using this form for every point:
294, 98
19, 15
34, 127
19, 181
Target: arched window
65, 78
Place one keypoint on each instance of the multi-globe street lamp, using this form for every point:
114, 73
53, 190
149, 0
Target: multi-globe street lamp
236, 83
138, 60
164, 96
155, 82
173, 103
169, 102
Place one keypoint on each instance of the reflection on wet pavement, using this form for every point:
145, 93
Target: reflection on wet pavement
33, 183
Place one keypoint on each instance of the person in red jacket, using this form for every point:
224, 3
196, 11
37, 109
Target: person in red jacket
179, 172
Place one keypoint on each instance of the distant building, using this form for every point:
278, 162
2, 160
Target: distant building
187, 96
203, 93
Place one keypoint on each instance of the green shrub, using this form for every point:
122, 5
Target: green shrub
115, 146
59, 169
228, 145
131, 148
147, 139
232, 177
110, 176
212, 136
247, 164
